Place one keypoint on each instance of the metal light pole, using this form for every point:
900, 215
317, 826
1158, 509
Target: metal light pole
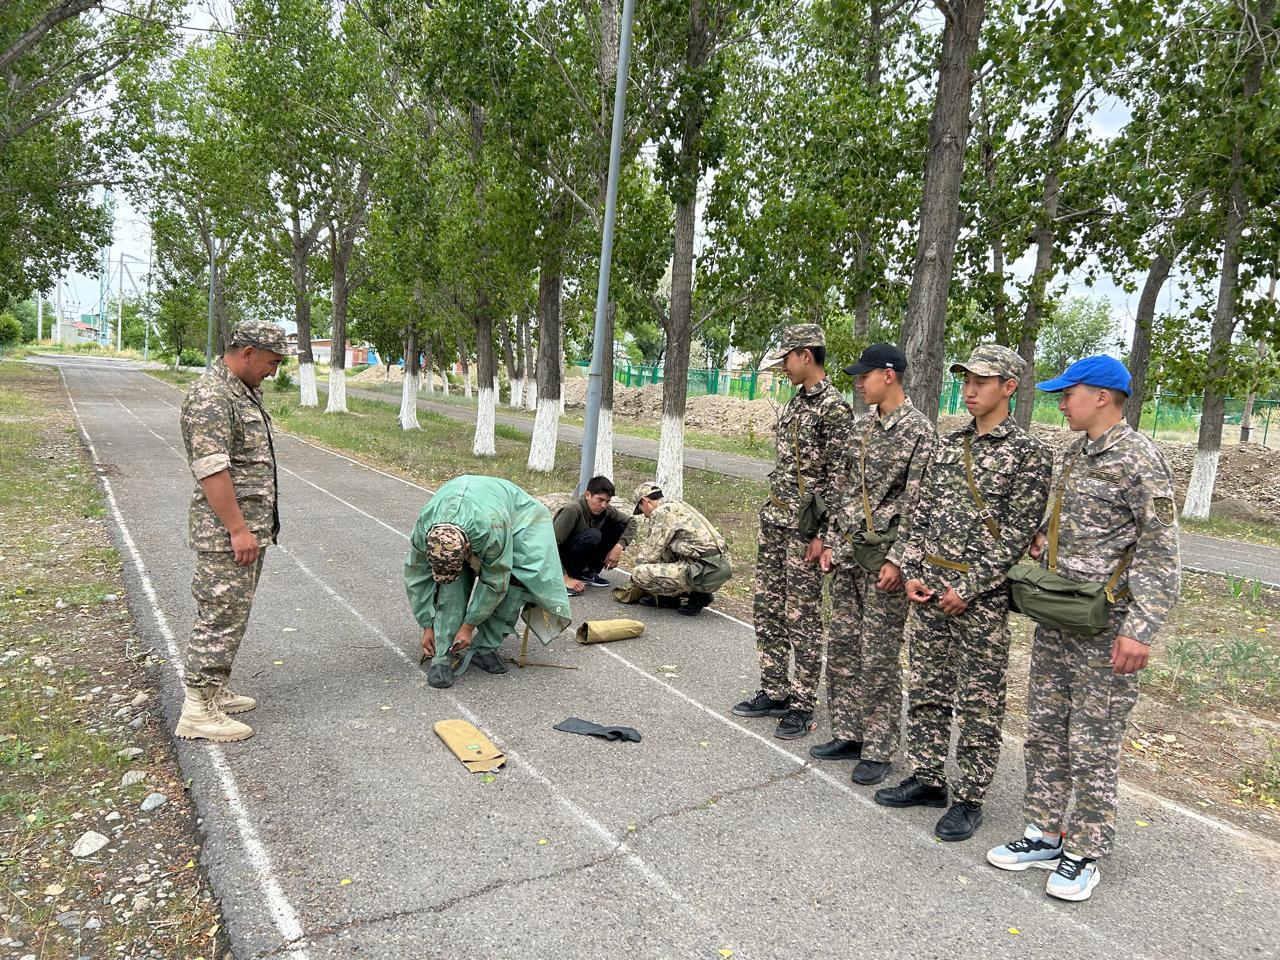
595, 382
39, 315
208, 349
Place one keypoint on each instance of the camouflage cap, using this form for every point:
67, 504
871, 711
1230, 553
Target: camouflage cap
447, 550
261, 334
644, 491
795, 337
992, 360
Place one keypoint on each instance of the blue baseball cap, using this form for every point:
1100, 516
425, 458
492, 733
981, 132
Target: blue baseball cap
1099, 371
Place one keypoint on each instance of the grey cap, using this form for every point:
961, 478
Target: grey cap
644, 492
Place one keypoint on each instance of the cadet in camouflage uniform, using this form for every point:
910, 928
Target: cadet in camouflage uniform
234, 516
813, 435
892, 448
1115, 514
681, 552
958, 550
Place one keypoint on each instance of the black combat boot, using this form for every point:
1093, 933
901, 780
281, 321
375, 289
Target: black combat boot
693, 606
489, 662
440, 676
662, 603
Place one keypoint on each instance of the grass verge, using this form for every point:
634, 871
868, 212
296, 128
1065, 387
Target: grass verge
81, 745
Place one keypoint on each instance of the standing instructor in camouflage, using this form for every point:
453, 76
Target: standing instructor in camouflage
983, 499
1113, 522
812, 436
234, 516
892, 448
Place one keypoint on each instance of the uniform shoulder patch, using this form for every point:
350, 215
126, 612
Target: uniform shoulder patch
1162, 508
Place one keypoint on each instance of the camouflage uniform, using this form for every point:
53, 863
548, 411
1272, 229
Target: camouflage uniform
864, 670
962, 660
813, 435
678, 539
1118, 498
226, 427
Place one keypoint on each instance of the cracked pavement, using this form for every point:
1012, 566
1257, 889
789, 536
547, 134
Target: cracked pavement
708, 836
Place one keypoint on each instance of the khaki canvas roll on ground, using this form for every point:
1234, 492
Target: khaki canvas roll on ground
606, 631
469, 745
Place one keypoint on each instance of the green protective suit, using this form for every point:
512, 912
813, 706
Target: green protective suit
514, 566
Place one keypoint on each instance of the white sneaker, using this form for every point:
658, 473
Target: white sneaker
1033, 850
1074, 879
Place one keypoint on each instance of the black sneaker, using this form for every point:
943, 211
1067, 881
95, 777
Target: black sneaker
595, 580
794, 724
440, 676
762, 705
837, 749
912, 793
870, 772
489, 662
960, 822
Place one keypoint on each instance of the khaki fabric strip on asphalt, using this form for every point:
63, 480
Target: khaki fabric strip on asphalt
607, 631
469, 745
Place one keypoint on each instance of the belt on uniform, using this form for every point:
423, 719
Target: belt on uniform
936, 561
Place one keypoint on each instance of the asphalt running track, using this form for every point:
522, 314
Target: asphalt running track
709, 836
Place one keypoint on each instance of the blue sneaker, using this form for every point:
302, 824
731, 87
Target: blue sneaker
1074, 879
1033, 850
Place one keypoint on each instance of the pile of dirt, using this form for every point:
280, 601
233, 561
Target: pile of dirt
726, 416
383, 373
1245, 484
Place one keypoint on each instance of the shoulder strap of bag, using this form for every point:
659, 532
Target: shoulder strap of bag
1055, 518
795, 445
983, 510
862, 469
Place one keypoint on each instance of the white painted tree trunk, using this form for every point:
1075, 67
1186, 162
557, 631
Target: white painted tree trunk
444, 383
429, 379
517, 394
1204, 473
486, 416
307, 385
531, 394
337, 390
546, 429
671, 458
466, 381
409, 402
604, 444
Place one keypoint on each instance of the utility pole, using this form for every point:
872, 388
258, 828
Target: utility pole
146, 327
595, 380
120, 303
39, 315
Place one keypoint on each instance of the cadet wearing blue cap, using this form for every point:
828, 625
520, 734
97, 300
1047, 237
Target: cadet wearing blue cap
1113, 521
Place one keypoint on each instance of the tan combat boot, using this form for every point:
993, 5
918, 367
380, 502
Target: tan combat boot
232, 702
203, 718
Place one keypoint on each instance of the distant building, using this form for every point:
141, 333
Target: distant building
322, 350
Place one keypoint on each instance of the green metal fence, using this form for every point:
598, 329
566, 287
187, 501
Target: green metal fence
1168, 416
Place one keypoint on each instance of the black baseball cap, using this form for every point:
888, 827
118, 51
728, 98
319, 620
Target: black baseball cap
879, 356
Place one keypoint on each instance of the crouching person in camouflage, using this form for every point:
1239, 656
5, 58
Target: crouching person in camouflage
982, 501
1112, 522
682, 553
234, 516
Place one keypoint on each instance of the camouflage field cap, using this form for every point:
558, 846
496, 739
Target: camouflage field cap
261, 334
644, 491
447, 550
992, 360
795, 337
